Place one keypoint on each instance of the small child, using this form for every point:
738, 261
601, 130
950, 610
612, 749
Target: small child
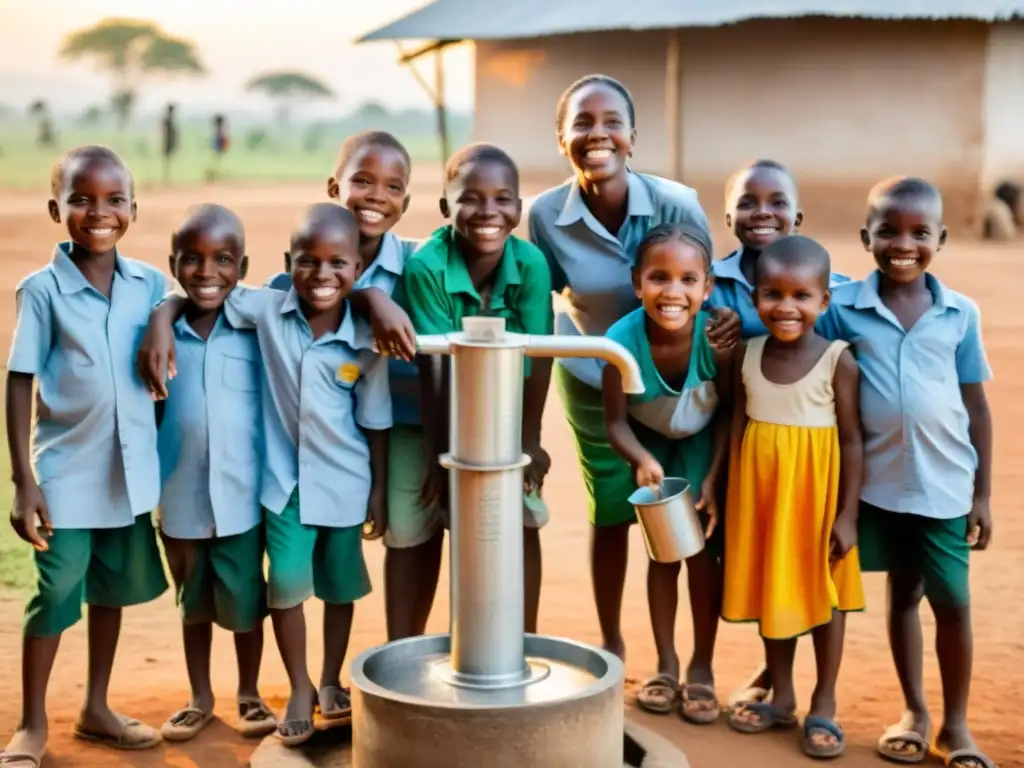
927, 456
219, 144
326, 412
211, 462
84, 494
762, 204
794, 478
476, 266
675, 427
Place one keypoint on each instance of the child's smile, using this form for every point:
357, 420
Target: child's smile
673, 283
96, 204
903, 236
208, 264
485, 205
325, 265
373, 187
762, 207
790, 298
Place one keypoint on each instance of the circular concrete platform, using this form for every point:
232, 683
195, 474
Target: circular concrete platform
331, 748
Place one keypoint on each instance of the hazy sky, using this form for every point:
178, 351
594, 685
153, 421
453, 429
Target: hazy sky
236, 39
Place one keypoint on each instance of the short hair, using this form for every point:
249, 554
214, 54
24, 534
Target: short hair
611, 82
763, 162
902, 189
1009, 193
207, 215
90, 153
322, 215
795, 252
667, 233
477, 153
357, 141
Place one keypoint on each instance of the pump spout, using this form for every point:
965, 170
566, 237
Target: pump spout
590, 346
436, 344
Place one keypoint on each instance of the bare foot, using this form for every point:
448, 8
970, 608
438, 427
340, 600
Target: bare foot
617, 646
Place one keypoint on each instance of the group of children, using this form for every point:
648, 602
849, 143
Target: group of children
296, 421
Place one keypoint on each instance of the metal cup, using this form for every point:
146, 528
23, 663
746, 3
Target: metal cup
671, 525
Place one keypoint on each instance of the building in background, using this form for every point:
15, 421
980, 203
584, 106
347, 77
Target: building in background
844, 97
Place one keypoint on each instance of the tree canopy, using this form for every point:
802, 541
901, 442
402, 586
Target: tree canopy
289, 85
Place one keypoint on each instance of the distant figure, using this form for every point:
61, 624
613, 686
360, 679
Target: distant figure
170, 140
1004, 212
220, 146
46, 138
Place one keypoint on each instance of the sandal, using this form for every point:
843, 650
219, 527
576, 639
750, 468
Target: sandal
185, 724
658, 695
255, 719
769, 717
968, 758
292, 733
335, 704
698, 704
133, 736
19, 753
814, 724
897, 740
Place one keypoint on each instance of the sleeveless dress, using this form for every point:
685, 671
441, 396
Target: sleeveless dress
782, 499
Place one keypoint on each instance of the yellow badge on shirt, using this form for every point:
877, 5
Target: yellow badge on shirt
348, 373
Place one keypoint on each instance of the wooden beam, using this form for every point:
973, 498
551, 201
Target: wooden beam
437, 45
674, 103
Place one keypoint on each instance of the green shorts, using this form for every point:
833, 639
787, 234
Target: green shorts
607, 477
220, 580
107, 567
313, 561
935, 550
409, 524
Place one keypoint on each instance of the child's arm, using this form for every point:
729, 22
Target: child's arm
846, 385
156, 360
392, 328
713, 488
33, 334
979, 523
620, 434
538, 319
723, 331
373, 415
973, 371
738, 393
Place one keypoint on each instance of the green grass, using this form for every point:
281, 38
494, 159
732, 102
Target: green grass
305, 155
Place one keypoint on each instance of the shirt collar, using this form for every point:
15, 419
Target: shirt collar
183, 328
867, 297
638, 202
729, 268
457, 279
349, 332
70, 278
389, 257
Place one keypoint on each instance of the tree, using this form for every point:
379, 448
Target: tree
132, 50
289, 89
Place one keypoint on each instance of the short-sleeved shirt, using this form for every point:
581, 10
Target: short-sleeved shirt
211, 435
733, 290
918, 456
95, 436
383, 275
673, 413
318, 396
595, 265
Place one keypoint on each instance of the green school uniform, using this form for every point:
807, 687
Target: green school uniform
437, 292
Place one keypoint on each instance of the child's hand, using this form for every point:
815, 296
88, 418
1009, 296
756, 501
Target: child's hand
843, 538
536, 470
708, 504
156, 361
392, 329
376, 524
434, 492
723, 329
30, 518
979, 525
649, 472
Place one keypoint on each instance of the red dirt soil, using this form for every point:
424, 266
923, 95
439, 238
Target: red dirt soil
149, 676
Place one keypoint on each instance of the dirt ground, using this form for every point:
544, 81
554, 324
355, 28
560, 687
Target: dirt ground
149, 678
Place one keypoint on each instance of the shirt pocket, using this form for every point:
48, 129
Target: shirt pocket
241, 374
346, 375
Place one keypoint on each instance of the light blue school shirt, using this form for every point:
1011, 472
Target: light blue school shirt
595, 265
383, 274
731, 289
94, 447
918, 456
211, 436
317, 395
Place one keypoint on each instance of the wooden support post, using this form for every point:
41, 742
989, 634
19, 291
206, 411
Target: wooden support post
674, 103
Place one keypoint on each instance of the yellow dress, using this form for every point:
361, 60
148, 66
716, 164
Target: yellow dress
783, 492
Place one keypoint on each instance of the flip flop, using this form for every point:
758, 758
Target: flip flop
14, 755
134, 735
896, 734
658, 695
815, 723
185, 724
304, 731
699, 693
769, 717
255, 718
335, 713
962, 758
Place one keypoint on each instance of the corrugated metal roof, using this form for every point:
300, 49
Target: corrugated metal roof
503, 19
